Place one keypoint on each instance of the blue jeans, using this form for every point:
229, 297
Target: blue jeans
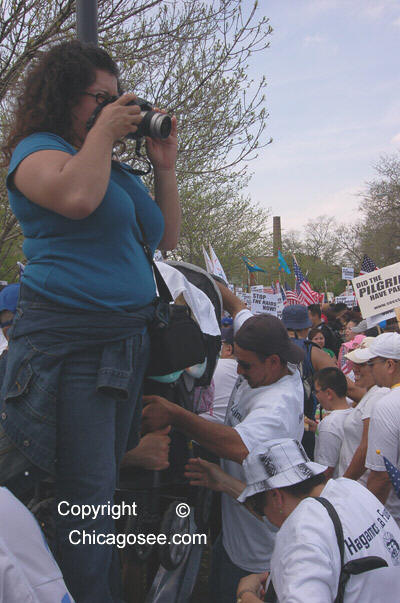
224, 575
92, 432
71, 400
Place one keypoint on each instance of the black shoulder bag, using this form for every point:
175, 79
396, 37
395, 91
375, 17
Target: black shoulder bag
176, 339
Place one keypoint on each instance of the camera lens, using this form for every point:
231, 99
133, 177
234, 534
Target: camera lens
160, 125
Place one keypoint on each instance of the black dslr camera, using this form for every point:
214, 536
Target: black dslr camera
153, 124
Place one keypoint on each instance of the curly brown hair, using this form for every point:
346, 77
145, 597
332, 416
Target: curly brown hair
51, 88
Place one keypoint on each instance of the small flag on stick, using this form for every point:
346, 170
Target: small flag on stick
251, 266
393, 473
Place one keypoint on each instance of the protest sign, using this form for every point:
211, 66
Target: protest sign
349, 300
270, 303
372, 321
257, 287
347, 274
246, 297
378, 291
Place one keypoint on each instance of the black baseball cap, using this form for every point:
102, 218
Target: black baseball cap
266, 334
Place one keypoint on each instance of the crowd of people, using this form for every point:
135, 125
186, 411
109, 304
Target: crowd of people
305, 411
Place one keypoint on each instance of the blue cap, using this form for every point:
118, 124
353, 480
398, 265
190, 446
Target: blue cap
296, 317
226, 321
9, 297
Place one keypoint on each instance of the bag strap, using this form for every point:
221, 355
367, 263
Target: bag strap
355, 567
337, 524
164, 292
162, 287
270, 595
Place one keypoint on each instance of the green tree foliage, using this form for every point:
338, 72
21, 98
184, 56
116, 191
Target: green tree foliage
189, 57
317, 251
215, 214
325, 245
377, 232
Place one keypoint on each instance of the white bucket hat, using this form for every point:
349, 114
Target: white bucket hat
386, 345
277, 464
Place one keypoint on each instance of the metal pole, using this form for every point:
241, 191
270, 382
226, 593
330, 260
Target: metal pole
86, 21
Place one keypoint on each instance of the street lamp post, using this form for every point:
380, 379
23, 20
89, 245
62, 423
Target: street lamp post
86, 21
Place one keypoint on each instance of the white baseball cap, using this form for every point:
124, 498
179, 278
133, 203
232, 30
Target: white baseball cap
355, 355
386, 345
277, 464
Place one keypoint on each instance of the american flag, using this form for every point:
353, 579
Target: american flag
305, 293
292, 299
367, 265
393, 473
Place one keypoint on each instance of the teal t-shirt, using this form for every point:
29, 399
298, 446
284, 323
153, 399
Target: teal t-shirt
93, 263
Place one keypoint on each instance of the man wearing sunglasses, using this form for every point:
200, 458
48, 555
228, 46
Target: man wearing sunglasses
266, 403
383, 356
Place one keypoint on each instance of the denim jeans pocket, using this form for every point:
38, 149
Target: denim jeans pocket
30, 397
12, 461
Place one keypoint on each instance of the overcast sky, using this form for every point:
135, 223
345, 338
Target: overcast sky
333, 96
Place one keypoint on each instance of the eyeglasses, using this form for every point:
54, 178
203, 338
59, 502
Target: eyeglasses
371, 362
375, 360
101, 97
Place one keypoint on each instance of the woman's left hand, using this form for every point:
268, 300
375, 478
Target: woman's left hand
162, 151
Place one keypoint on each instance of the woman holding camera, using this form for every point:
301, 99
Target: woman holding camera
79, 344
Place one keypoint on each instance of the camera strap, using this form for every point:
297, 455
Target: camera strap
142, 158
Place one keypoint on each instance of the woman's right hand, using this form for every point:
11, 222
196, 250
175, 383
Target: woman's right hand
118, 119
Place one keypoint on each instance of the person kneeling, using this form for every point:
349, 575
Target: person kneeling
282, 485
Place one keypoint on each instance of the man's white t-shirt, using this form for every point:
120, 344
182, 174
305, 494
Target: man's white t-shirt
384, 435
329, 439
28, 571
353, 428
305, 565
224, 378
258, 415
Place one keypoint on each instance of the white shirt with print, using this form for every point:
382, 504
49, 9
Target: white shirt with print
384, 435
258, 415
305, 565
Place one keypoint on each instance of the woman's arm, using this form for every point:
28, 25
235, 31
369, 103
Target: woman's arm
74, 185
162, 154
